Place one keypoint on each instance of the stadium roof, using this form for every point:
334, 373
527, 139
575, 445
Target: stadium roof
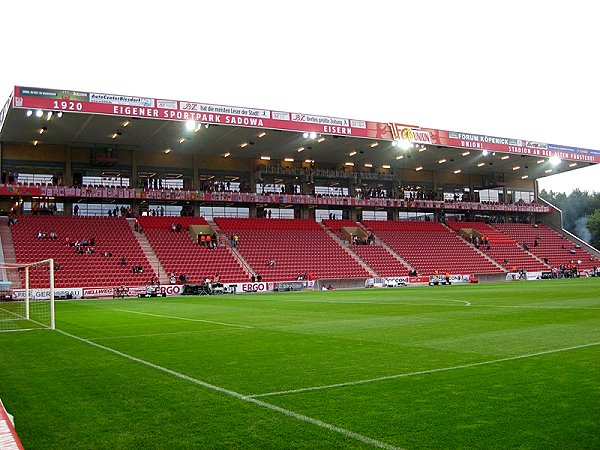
93, 120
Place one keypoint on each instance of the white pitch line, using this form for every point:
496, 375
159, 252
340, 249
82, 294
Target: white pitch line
538, 307
421, 372
163, 334
184, 318
245, 398
466, 303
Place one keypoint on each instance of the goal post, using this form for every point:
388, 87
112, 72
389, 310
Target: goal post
27, 296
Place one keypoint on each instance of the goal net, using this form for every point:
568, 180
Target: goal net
27, 296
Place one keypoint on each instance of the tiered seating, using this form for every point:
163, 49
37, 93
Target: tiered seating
430, 247
503, 249
551, 245
298, 246
179, 253
112, 234
380, 259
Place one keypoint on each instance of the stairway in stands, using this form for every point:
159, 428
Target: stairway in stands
430, 247
379, 257
159, 270
503, 249
345, 246
555, 247
8, 252
180, 253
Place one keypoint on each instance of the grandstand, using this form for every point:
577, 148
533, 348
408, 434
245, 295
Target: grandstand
307, 196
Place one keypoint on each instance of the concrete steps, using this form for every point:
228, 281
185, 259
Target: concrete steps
159, 271
343, 244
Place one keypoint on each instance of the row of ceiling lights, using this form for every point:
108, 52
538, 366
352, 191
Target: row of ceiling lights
404, 144
190, 126
39, 114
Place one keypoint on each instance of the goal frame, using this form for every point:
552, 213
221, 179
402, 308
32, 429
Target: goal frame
25, 266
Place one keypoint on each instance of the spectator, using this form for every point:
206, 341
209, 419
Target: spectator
123, 261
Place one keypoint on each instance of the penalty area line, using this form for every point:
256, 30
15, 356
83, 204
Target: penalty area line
183, 318
237, 395
420, 372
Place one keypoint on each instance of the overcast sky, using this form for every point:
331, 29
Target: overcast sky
519, 69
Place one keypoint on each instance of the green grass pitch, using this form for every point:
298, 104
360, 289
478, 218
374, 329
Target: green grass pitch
508, 365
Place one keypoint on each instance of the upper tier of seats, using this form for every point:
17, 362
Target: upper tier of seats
430, 247
298, 246
111, 234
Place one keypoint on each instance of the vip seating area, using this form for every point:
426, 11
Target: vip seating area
553, 246
180, 253
281, 249
431, 247
502, 248
90, 268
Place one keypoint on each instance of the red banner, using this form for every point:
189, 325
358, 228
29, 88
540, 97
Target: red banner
129, 106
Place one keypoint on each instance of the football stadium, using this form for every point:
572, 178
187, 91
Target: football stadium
178, 274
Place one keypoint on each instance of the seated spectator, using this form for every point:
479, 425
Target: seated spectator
172, 279
53, 235
271, 262
258, 278
183, 278
123, 261
79, 250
